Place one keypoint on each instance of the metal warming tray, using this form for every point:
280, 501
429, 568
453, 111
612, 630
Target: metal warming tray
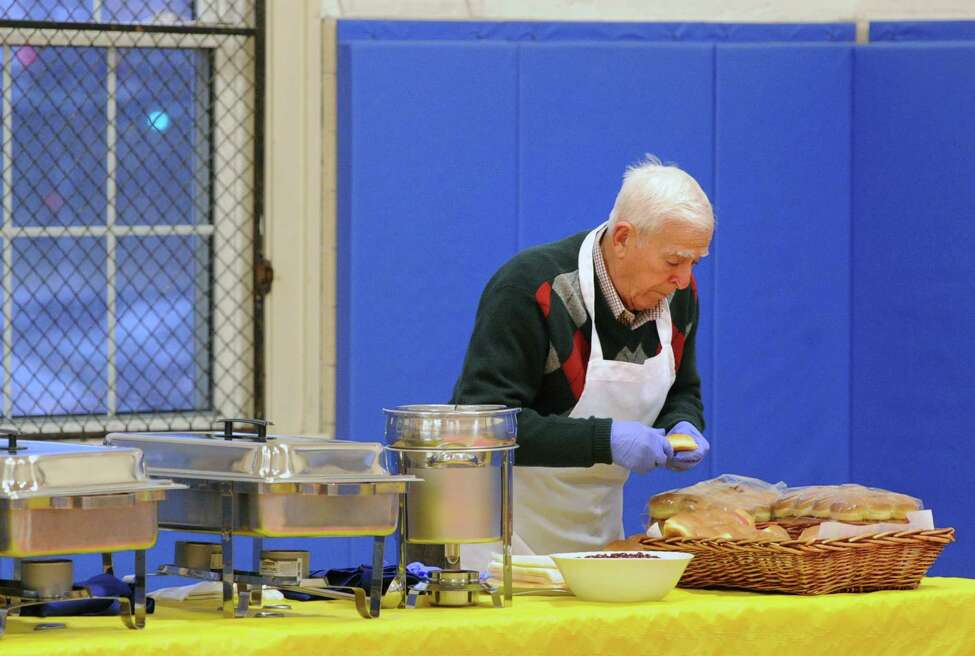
283, 486
60, 498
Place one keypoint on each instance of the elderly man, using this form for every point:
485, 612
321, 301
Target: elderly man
593, 337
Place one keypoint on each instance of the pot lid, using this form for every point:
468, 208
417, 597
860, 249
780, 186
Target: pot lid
433, 426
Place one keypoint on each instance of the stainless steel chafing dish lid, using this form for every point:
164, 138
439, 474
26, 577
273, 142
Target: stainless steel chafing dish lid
268, 459
30, 469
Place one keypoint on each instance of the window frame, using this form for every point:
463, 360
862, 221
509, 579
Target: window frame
231, 229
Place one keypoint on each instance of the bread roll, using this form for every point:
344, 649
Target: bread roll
728, 525
848, 510
726, 492
809, 533
785, 506
682, 442
731, 525
804, 502
902, 504
849, 502
879, 508
631, 543
760, 513
821, 507
666, 505
775, 533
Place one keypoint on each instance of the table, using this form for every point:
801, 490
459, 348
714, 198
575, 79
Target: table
937, 618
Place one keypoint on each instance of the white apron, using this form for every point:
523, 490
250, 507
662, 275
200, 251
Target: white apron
560, 509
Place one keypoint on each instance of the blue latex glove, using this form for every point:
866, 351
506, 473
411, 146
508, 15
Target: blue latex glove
420, 570
684, 460
637, 447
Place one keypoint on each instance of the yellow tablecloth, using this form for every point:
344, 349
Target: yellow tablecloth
937, 618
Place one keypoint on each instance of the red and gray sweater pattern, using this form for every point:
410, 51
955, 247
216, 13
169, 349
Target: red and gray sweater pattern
530, 348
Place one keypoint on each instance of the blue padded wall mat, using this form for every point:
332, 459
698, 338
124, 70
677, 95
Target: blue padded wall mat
571, 158
922, 31
571, 155
782, 316
427, 215
913, 300
406, 30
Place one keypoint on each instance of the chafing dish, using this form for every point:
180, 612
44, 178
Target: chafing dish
261, 485
58, 498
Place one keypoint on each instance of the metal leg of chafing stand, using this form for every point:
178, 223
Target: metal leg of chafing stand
139, 589
257, 591
4, 611
138, 619
507, 528
229, 509
401, 545
376, 585
108, 567
401, 571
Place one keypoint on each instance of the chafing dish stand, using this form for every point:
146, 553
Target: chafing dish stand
500, 598
258, 485
14, 597
250, 583
52, 504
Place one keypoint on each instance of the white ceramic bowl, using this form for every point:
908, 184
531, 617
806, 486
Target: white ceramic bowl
622, 579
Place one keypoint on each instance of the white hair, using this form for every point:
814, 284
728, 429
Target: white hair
653, 192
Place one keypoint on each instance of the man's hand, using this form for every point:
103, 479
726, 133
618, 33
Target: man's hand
639, 448
684, 460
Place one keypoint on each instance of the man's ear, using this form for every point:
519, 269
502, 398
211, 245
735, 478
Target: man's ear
624, 233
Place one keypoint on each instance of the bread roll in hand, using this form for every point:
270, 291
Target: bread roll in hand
682, 442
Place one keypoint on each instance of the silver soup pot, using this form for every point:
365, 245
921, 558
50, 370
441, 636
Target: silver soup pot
460, 452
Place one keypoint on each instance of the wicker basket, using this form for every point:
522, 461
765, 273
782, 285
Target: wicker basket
881, 561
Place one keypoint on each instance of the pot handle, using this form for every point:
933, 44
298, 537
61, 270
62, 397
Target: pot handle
439, 459
228, 428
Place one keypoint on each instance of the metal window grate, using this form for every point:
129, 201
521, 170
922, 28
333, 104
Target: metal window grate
130, 162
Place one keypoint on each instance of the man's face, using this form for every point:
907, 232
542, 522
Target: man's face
647, 268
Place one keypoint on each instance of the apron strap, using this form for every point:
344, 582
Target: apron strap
587, 285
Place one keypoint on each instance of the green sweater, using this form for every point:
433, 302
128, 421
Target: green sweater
530, 349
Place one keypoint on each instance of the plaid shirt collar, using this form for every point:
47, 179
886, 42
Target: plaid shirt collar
624, 316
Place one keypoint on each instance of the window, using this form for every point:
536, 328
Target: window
128, 213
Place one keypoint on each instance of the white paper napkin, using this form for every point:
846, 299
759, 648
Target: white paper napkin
205, 590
